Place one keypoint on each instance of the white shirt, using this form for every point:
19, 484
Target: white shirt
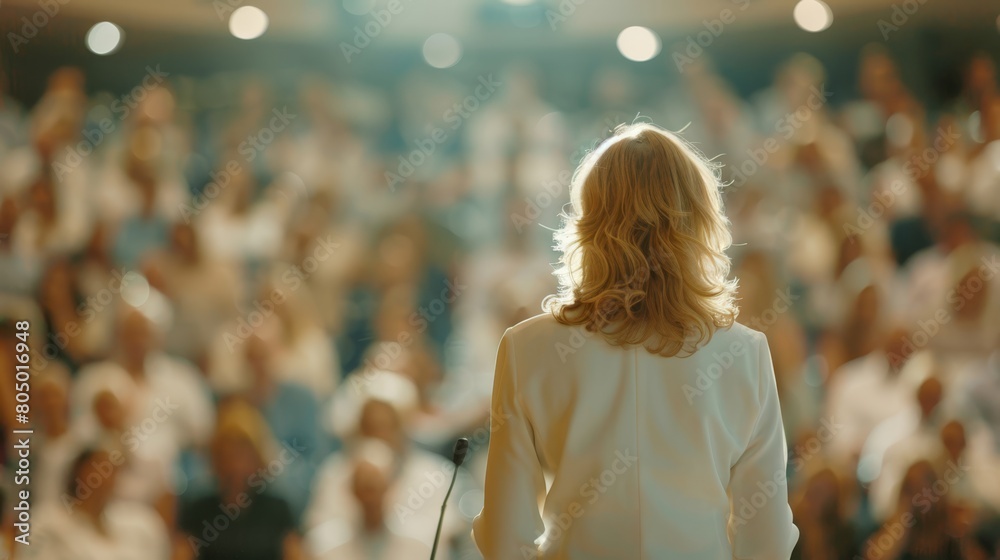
135, 532
863, 393
413, 502
649, 457
384, 546
172, 409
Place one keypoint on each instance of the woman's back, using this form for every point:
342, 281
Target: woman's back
655, 416
641, 449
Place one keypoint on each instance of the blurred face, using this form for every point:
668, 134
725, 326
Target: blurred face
97, 244
258, 359
878, 76
973, 293
182, 237
8, 216
95, 480
918, 477
821, 494
953, 438
52, 401
393, 320
397, 259
235, 460
43, 198
370, 486
867, 305
136, 336
109, 411
379, 420
929, 396
57, 287
982, 75
991, 118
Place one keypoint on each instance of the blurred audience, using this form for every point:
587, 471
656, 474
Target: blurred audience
258, 326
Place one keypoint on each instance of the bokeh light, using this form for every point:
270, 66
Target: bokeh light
638, 43
442, 50
248, 22
104, 38
812, 15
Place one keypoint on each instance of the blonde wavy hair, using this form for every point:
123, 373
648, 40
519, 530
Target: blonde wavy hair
644, 245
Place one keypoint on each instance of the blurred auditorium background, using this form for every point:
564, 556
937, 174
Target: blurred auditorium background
267, 253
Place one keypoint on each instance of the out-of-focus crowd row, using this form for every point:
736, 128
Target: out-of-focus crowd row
258, 323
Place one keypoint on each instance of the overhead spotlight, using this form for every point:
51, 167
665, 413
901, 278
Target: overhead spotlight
812, 15
247, 22
638, 43
442, 50
104, 38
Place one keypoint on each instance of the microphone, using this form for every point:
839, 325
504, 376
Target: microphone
457, 457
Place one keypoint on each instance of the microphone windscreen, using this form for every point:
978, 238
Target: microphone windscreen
461, 448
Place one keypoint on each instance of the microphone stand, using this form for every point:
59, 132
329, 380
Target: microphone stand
457, 457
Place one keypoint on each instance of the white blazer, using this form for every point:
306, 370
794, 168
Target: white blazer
648, 457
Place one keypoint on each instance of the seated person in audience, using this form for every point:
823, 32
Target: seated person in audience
868, 390
921, 527
292, 414
154, 382
983, 394
56, 439
203, 292
972, 305
819, 513
146, 467
166, 405
89, 524
370, 483
898, 442
377, 406
969, 451
241, 518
